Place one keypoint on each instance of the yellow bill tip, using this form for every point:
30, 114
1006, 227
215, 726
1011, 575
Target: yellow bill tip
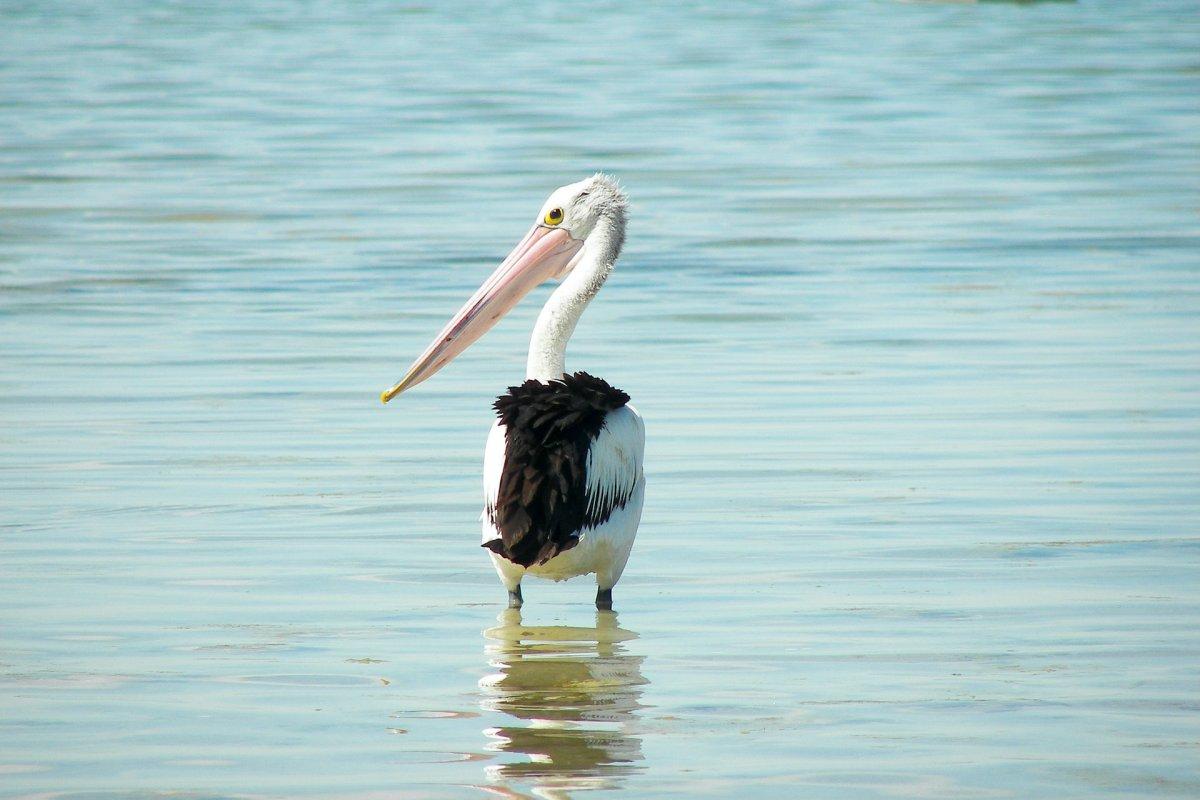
388, 394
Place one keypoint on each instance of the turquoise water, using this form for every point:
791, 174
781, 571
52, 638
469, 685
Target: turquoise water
910, 303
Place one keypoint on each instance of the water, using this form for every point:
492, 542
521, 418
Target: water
910, 305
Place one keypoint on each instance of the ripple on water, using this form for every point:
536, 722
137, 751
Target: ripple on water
304, 680
909, 302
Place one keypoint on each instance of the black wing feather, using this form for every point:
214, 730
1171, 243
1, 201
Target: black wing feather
541, 505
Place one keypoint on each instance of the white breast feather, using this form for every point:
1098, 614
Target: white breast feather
614, 464
493, 466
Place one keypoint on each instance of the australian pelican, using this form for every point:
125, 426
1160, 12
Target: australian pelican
562, 469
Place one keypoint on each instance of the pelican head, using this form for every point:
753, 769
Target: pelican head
552, 249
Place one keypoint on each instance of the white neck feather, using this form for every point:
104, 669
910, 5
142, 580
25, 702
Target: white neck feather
556, 323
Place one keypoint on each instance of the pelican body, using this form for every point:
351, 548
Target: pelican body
562, 473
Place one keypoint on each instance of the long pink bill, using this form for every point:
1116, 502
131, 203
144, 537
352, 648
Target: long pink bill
544, 253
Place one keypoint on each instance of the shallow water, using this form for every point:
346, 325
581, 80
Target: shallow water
910, 304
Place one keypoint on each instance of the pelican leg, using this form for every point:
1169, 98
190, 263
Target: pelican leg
604, 599
514, 597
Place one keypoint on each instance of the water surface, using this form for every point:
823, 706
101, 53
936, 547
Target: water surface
910, 304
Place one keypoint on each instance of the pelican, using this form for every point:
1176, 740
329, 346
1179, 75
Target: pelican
562, 469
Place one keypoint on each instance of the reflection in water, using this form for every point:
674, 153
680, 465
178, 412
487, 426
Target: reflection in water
572, 693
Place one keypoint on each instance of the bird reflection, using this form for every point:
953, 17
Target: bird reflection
572, 693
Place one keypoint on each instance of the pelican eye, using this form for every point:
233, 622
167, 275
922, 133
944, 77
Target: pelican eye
554, 216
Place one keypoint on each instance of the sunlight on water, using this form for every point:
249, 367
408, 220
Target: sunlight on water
910, 304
